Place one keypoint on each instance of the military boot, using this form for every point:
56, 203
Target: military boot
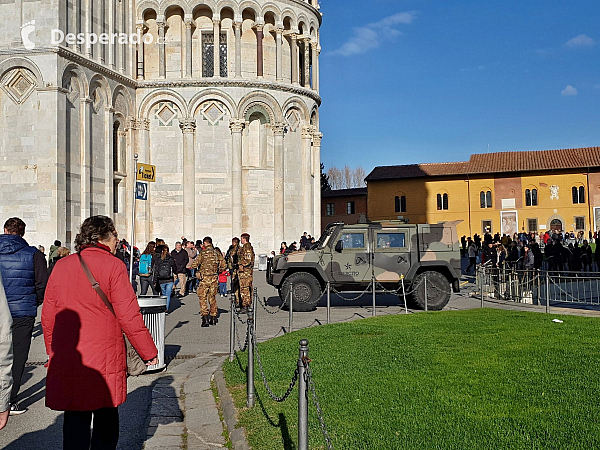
212, 320
204, 321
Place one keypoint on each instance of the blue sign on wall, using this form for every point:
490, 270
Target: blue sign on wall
141, 191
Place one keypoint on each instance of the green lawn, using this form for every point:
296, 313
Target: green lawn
479, 379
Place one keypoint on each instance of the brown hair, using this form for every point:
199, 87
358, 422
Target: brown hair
150, 248
14, 225
94, 229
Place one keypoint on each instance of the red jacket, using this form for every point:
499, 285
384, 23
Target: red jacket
87, 368
223, 276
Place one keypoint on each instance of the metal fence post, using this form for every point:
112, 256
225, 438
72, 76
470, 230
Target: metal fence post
547, 292
425, 278
254, 314
291, 310
250, 371
373, 287
404, 294
231, 333
481, 270
302, 397
328, 302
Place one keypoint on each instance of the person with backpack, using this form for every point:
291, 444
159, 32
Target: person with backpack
146, 269
164, 273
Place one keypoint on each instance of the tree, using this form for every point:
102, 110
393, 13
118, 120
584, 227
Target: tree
335, 178
325, 186
347, 178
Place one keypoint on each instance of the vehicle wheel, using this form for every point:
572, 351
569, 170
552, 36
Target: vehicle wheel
438, 291
306, 291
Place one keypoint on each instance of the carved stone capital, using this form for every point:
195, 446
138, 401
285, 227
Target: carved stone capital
307, 132
187, 24
216, 22
293, 36
317, 137
187, 125
259, 26
237, 125
279, 30
135, 123
278, 129
161, 26
237, 25
140, 27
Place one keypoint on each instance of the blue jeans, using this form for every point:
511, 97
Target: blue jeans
223, 288
166, 289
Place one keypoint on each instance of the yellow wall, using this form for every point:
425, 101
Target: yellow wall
464, 202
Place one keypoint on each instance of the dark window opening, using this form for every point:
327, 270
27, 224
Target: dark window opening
350, 208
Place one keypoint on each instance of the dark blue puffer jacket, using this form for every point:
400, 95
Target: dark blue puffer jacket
18, 275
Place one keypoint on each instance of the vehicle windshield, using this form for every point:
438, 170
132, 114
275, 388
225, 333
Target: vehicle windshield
324, 239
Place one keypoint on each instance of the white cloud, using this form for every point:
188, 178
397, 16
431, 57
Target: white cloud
569, 90
582, 40
371, 35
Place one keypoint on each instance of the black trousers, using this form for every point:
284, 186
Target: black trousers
145, 284
22, 329
78, 436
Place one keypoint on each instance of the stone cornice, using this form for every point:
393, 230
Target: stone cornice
230, 82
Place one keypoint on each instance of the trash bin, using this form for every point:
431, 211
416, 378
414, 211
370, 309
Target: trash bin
262, 262
153, 309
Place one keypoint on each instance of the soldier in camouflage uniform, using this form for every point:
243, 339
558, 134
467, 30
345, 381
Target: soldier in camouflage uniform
211, 263
231, 259
245, 269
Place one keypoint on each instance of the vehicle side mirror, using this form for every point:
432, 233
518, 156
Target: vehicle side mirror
339, 246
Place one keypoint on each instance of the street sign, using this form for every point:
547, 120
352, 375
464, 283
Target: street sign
141, 191
146, 172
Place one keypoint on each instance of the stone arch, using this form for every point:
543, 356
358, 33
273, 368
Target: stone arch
162, 95
211, 94
223, 4
249, 4
264, 99
271, 7
298, 104
145, 6
99, 83
79, 75
26, 63
314, 116
175, 4
288, 13
203, 6
121, 92
555, 217
302, 24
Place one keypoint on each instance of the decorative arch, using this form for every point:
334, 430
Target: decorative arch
179, 4
297, 103
145, 6
258, 108
99, 83
227, 4
265, 99
211, 94
249, 4
555, 217
19, 61
121, 92
314, 116
303, 20
288, 13
71, 71
271, 7
204, 5
162, 95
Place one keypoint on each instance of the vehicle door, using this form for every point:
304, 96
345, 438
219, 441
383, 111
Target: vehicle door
391, 254
350, 260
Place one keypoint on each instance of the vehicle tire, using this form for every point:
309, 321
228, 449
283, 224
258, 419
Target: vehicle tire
438, 291
306, 291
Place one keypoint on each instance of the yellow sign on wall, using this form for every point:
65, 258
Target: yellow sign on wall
146, 172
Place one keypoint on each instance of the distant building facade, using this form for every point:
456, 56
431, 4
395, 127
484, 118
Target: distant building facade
505, 192
343, 205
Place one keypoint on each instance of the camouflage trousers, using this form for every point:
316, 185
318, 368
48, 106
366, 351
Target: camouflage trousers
246, 289
207, 291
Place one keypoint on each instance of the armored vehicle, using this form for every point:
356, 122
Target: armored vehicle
349, 257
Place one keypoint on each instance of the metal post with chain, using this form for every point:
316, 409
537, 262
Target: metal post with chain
250, 371
328, 303
425, 290
303, 396
373, 287
231, 333
548, 291
291, 310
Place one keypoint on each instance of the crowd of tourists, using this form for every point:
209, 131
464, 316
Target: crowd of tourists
553, 251
307, 242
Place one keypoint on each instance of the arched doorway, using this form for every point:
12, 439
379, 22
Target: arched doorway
556, 225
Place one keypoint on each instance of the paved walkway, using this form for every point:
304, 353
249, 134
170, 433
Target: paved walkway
176, 408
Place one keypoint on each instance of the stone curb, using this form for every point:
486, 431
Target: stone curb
237, 435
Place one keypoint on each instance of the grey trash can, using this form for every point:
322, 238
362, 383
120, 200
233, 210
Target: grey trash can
262, 262
154, 309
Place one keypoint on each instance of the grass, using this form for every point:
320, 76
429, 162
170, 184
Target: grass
476, 379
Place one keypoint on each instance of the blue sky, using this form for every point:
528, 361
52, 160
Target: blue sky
411, 81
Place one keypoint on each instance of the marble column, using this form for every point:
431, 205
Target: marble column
111, 30
307, 191
188, 46
85, 155
294, 45
108, 161
236, 126
317, 183
140, 51
87, 28
259, 50
306, 63
278, 185
188, 127
315, 65
217, 46
279, 43
161, 49
238, 49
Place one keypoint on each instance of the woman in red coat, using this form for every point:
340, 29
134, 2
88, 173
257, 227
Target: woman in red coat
87, 372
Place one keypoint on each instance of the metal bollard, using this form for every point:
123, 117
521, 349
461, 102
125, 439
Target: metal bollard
425, 278
302, 397
481, 290
548, 292
328, 302
373, 287
291, 310
404, 295
231, 333
250, 371
254, 314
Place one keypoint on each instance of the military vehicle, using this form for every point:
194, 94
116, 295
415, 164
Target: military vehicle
350, 256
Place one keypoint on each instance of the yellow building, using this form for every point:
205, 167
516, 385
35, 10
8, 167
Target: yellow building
504, 193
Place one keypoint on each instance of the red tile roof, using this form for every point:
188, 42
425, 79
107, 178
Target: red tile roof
501, 162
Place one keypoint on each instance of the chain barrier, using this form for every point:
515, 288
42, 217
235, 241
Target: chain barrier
285, 396
237, 338
264, 306
311, 385
353, 299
